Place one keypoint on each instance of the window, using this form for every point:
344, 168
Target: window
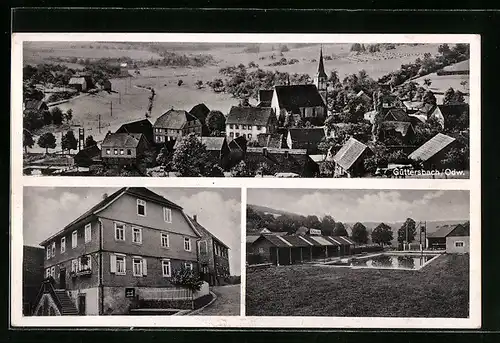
249, 136
258, 127
164, 240
121, 151
129, 152
74, 239
231, 134
63, 244
167, 215
187, 244
139, 266
84, 263
137, 235
188, 265
118, 264
459, 244
261, 250
108, 151
237, 134
115, 151
243, 127
141, 207
166, 268
88, 233
53, 271
47, 272
236, 126
119, 232
74, 266
53, 249
48, 253
231, 126
203, 247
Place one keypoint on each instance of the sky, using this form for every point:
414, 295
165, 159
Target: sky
48, 209
351, 206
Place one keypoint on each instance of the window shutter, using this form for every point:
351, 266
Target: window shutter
112, 261
144, 267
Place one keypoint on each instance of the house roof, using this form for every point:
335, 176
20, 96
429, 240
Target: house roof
270, 140
349, 153
174, 119
432, 147
295, 162
251, 238
33, 104
413, 104
396, 114
266, 95
200, 111
122, 140
453, 110
140, 192
460, 66
201, 228
293, 97
238, 144
249, 115
398, 126
297, 241
88, 152
443, 231
137, 126
77, 81
211, 143
307, 135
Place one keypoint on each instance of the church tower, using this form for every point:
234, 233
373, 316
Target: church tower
320, 78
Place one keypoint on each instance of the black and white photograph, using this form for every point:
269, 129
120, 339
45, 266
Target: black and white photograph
131, 251
358, 253
184, 109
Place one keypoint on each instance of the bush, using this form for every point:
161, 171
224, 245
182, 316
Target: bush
186, 278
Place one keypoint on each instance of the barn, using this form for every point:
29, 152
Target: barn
444, 238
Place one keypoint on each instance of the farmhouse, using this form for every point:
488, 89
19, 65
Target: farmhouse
396, 114
452, 238
78, 83
249, 122
175, 124
36, 105
217, 147
124, 247
32, 276
432, 152
401, 129
143, 126
305, 138
213, 256
270, 161
460, 68
88, 156
123, 148
349, 159
292, 249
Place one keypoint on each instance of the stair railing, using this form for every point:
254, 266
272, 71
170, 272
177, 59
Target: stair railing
47, 287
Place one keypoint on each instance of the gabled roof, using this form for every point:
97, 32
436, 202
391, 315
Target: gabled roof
174, 119
249, 115
211, 143
201, 228
307, 135
122, 140
396, 114
453, 110
293, 97
443, 231
251, 238
88, 152
432, 147
398, 126
137, 126
200, 111
140, 192
349, 153
270, 140
33, 104
77, 81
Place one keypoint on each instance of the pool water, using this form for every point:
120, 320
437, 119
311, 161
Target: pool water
392, 261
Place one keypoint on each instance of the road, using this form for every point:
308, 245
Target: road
227, 303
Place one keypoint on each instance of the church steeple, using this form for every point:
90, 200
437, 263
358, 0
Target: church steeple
320, 79
321, 67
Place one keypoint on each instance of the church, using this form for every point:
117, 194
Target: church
307, 101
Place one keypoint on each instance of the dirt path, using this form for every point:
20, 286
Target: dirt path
227, 303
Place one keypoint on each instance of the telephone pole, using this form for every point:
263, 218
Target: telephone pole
99, 116
119, 97
111, 108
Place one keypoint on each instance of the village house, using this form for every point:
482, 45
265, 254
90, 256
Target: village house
270, 161
305, 138
402, 130
201, 112
432, 153
78, 83
33, 259
213, 256
127, 245
249, 122
349, 159
293, 249
123, 148
175, 124
217, 147
39, 106
452, 238
143, 126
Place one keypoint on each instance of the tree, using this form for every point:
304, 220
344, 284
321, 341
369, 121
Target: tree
164, 157
240, 170
28, 141
427, 82
69, 141
179, 83
57, 115
312, 222
89, 141
47, 141
359, 233
199, 84
407, 231
382, 234
69, 115
216, 121
340, 230
191, 158
429, 98
449, 95
327, 225
186, 278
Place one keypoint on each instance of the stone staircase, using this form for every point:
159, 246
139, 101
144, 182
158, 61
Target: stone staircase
68, 307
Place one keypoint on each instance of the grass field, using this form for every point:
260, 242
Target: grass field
441, 289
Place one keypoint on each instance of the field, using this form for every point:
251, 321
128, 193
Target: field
130, 102
441, 289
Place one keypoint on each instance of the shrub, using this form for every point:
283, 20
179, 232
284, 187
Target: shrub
186, 278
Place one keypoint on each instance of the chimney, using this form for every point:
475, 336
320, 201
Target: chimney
195, 217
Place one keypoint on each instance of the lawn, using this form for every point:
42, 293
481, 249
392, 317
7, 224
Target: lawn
441, 289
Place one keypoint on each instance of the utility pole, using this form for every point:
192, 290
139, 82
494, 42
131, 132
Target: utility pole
99, 122
111, 108
119, 97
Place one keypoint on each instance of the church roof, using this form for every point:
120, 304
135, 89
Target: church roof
321, 66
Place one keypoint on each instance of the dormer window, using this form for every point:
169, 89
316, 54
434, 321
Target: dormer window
141, 207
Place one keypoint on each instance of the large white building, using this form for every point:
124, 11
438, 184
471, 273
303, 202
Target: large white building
249, 122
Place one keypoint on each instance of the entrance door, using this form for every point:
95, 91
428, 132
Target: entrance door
62, 278
81, 304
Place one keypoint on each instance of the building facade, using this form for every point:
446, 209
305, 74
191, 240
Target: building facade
249, 122
132, 241
175, 124
123, 148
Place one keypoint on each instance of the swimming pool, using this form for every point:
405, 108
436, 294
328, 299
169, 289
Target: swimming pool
392, 261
